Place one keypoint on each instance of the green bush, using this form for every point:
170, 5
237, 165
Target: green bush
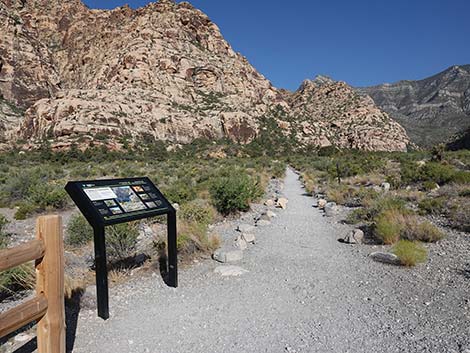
439, 173
179, 192
410, 253
25, 209
46, 195
79, 231
429, 185
374, 207
461, 177
121, 241
434, 172
234, 192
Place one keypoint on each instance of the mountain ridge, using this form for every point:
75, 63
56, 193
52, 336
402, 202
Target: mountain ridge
433, 109
163, 71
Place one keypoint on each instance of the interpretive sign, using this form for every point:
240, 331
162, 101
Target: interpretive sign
113, 201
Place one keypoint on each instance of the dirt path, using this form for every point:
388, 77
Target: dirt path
304, 292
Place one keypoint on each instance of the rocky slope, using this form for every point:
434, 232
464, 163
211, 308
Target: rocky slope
162, 72
431, 110
332, 113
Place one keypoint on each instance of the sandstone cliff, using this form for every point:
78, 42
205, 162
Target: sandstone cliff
162, 72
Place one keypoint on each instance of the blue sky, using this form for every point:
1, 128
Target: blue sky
362, 42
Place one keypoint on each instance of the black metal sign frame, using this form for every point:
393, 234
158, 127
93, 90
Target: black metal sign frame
111, 201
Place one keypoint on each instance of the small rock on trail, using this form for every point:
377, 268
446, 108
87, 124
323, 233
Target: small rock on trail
228, 271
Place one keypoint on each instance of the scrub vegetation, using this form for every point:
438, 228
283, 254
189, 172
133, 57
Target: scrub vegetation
210, 181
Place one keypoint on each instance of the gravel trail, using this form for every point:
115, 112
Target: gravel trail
304, 292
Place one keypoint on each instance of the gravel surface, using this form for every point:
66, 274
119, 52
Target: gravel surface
303, 292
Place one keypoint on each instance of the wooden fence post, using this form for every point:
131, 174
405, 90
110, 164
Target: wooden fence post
50, 283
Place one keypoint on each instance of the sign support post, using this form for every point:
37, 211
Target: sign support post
101, 273
172, 250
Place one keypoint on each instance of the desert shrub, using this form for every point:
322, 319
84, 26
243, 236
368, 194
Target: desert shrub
410, 253
429, 185
458, 213
409, 172
464, 193
234, 192
357, 215
373, 206
338, 194
79, 231
18, 184
179, 192
197, 211
25, 209
438, 173
47, 195
461, 177
121, 241
16, 279
389, 225
422, 231
434, 206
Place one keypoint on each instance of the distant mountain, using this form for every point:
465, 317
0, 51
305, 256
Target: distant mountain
161, 72
431, 110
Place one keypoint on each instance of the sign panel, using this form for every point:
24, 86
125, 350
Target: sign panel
111, 201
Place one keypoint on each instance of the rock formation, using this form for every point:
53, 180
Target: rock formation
160, 72
431, 110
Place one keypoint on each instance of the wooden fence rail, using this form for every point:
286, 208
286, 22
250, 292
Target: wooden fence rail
48, 304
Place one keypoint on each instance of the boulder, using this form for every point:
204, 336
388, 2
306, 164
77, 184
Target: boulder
269, 203
355, 236
245, 228
321, 203
377, 189
249, 237
331, 209
227, 256
263, 222
267, 216
282, 203
385, 186
240, 243
270, 214
385, 257
226, 271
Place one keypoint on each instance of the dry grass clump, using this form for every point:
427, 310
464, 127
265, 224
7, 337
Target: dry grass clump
309, 182
459, 213
193, 237
73, 285
410, 253
392, 225
16, 279
422, 231
388, 226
